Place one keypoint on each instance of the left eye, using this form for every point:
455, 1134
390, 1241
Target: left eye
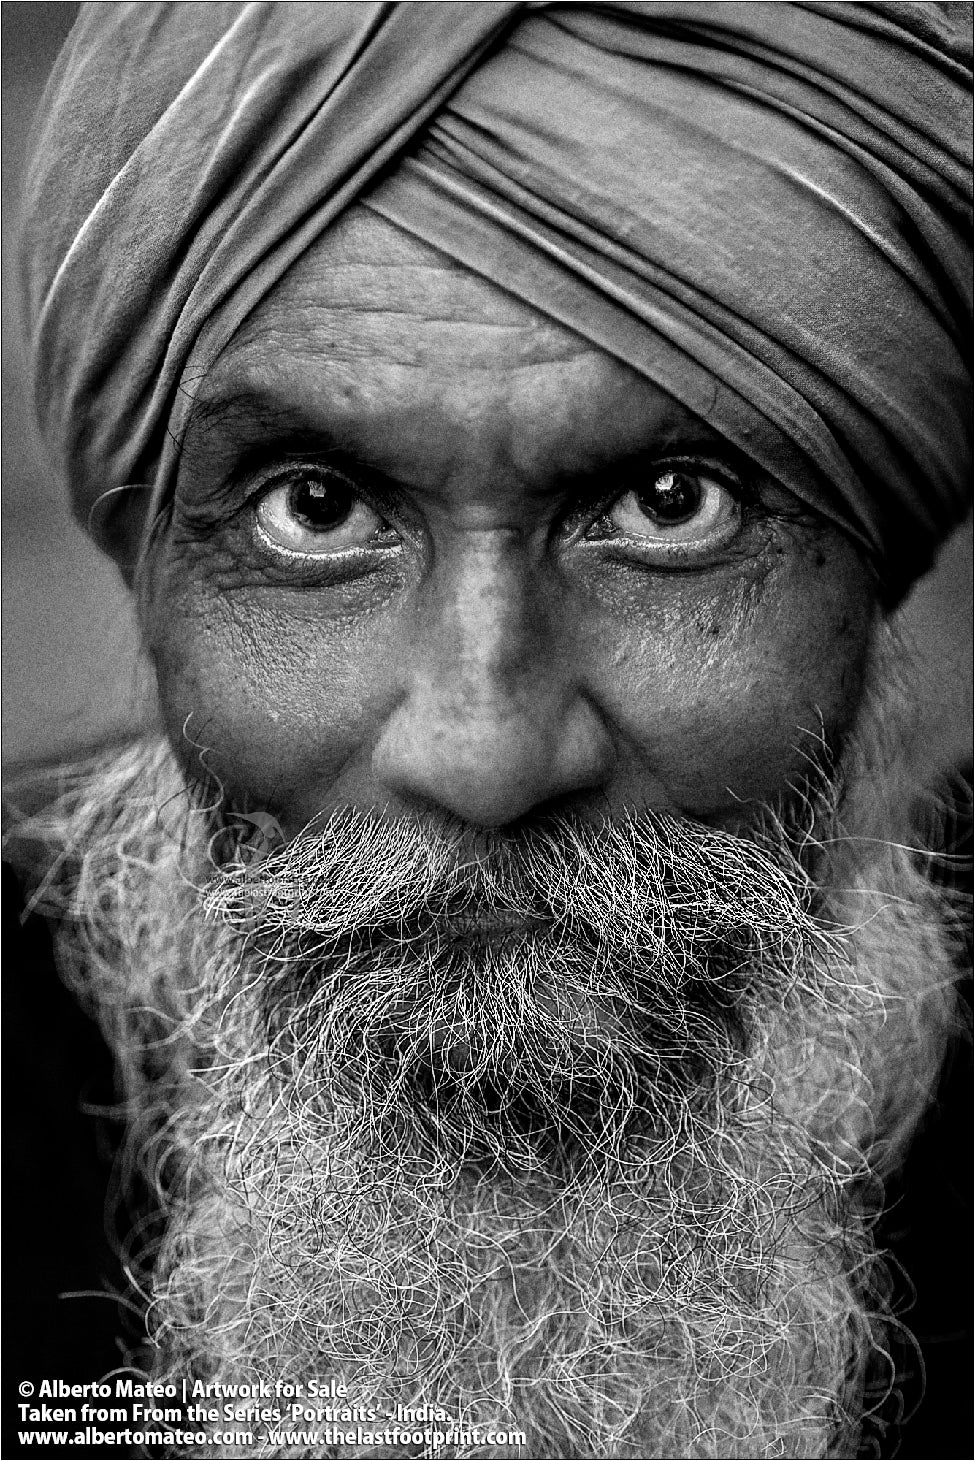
317, 512
688, 509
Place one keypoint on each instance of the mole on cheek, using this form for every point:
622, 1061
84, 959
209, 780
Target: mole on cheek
707, 624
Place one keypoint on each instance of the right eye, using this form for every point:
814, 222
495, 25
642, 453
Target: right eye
684, 514
317, 513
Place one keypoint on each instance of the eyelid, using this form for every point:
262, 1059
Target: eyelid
704, 466
282, 475
592, 506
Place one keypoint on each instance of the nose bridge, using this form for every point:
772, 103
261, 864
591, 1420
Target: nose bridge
487, 626
492, 722
485, 672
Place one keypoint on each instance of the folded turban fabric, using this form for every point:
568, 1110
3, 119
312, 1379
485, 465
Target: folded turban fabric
762, 208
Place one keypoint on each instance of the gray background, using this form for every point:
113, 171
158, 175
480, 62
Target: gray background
69, 641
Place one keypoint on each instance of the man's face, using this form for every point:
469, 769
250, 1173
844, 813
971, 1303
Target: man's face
532, 1069
431, 552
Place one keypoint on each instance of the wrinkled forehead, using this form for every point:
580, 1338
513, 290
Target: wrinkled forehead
377, 290
381, 344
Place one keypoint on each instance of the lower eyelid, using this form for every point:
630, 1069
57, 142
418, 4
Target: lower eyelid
337, 556
281, 550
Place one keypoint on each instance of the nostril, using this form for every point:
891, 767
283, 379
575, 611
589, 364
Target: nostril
582, 800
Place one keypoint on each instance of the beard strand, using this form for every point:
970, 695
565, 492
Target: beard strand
606, 1175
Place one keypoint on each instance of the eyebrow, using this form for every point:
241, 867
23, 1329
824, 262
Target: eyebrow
234, 431
240, 409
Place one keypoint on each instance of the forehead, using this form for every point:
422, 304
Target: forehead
378, 289
378, 342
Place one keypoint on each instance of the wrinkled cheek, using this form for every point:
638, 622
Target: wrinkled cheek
219, 699
731, 702
272, 714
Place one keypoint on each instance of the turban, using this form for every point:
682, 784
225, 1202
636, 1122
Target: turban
763, 209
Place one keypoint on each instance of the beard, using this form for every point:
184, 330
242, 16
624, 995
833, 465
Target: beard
578, 1135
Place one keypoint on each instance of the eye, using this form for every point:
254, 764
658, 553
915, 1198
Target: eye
684, 510
316, 512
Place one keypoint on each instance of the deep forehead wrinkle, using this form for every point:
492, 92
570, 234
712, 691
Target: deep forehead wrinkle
372, 289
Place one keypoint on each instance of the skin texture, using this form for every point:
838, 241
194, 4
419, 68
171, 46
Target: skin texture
490, 637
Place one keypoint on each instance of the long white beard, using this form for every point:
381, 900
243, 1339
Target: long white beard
609, 1182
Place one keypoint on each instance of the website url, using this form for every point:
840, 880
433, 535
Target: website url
92, 1436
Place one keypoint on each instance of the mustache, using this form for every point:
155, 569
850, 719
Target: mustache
616, 883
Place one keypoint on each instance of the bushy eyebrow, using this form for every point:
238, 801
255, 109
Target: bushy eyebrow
245, 412
227, 432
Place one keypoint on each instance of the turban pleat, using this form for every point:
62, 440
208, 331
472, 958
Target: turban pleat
761, 208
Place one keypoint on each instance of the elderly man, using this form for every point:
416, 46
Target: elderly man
518, 424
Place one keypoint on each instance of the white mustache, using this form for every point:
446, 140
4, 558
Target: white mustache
623, 884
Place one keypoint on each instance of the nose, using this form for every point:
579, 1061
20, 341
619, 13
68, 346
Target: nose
493, 722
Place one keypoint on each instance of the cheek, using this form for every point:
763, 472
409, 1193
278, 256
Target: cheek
257, 696
721, 691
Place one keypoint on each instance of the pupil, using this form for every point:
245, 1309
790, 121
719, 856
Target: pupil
673, 497
320, 504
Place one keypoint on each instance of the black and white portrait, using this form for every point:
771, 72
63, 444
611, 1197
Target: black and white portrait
488, 807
